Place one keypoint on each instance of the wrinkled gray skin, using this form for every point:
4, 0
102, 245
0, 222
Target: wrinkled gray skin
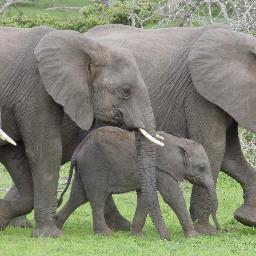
105, 165
201, 83
45, 73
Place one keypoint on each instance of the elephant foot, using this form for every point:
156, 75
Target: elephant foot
118, 224
59, 222
47, 231
205, 229
20, 222
5, 214
164, 235
137, 233
103, 232
192, 233
246, 215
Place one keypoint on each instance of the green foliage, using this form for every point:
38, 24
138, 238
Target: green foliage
100, 14
29, 22
92, 15
248, 144
120, 13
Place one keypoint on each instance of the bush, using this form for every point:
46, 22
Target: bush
29, 22
248, 144
93, 15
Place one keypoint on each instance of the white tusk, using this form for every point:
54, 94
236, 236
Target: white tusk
159, 137
5, 137
151, 138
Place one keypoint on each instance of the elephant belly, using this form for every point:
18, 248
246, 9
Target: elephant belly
124, 179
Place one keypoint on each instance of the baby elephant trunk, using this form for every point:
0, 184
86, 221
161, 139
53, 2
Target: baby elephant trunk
214, 203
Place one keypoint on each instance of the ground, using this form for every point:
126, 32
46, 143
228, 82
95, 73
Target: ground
78, 239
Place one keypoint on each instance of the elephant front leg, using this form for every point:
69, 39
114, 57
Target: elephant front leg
207, 124
236, 166
45, 173
173, 196
41, 133
200, 203
114, 219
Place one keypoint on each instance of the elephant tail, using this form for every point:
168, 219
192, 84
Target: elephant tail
72, 165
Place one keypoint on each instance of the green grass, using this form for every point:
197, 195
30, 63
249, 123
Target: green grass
78, 239
41, 5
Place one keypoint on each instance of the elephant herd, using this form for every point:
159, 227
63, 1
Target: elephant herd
193, 84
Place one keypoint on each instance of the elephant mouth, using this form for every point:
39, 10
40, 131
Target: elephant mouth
113, 122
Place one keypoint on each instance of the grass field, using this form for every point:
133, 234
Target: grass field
78, 239
40, 5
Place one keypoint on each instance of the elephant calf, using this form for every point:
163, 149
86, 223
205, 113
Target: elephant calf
105, 165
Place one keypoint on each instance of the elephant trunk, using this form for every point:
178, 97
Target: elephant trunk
146, 164
214, 204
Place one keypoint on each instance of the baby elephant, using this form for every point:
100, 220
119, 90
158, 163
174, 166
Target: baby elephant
105, 165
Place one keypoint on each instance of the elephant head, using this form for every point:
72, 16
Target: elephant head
91, 81
187, 159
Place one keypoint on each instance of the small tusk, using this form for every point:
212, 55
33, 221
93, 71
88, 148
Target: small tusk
5, 137
159, 137
151, 138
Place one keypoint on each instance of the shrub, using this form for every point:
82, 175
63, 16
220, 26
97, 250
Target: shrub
29, 22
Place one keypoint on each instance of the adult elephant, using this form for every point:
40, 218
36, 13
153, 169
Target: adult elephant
45, 73
202, 83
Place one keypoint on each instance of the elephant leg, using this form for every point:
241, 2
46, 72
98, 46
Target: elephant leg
114, 219
18, 201
21, 221
207, 124
77, 198
173, 196
140, 216
40, 128
236, 166
99, 223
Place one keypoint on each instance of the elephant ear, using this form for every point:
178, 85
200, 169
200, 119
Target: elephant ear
222, 63
171, 158
63, 60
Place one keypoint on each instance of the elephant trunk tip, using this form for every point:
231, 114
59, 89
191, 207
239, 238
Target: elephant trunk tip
216, 223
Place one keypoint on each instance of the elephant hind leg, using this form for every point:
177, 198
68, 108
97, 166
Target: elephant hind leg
236, 166
77, 198
18, 201
20, 221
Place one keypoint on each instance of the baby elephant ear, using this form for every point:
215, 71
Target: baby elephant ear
171, 158
63, 59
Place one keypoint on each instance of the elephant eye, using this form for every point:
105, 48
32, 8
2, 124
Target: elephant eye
126, 92
202, 167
